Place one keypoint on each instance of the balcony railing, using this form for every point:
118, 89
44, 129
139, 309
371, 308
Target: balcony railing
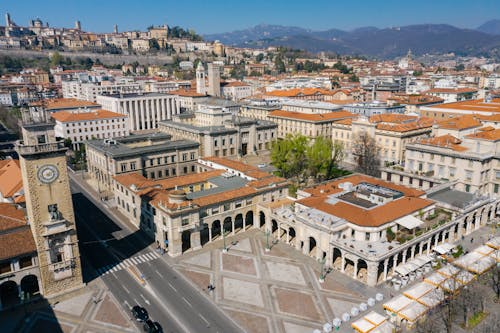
40, 148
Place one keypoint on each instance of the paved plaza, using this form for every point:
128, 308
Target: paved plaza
275, 291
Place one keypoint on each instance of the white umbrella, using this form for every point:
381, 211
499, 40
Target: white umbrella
316, 331
363, 307
379, 297
354, 311
336, 322
346, 317
327, 328
371, 301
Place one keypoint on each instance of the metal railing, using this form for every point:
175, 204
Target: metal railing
40, 148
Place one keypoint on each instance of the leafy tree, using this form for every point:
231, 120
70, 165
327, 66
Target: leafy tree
259, 57
342, 68
288, 155
366, 152
460, 67
353, 78
279, 64
56, 59
323, 156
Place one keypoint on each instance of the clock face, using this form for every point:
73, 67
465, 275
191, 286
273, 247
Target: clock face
48, 173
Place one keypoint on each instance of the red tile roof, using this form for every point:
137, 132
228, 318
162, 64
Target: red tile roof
67, 117
312, 117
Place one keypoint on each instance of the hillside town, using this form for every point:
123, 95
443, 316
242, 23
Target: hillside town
229, 189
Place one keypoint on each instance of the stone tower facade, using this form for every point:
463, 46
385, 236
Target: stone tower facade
49, 206
200, 79
214, 80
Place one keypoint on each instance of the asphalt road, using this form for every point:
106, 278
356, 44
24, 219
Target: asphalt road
167, 296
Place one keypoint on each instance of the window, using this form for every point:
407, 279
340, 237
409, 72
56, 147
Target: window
468, 175
453, 172
467, 188
25, 262
185, 170
174, 172
193, 168
185, 221
41, 139
215, 143
5, 267
192, 156
497, 174
238, 204
132, 166
495, 188
123, 167
184, 156
227, 206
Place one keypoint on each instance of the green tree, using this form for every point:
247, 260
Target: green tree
259, 57
279, 64
56, 59
288, 155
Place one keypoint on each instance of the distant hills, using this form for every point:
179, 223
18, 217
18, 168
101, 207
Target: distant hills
371, 41
491, 27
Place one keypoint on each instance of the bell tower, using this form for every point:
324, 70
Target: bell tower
49, 204
200, 79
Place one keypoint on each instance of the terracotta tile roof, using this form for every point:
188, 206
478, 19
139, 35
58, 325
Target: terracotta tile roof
300, 92
224, 196
416, 99
238, 166
11, 217
17, 243
460, 123
406, 127
373, 217
471, 106
266, 181
67, 117
332, 187
408, 204
395, 118
186, 93
347, 121
450, 90
65, 103
132, 178
445, 141
11, 181
489, 135
313, 117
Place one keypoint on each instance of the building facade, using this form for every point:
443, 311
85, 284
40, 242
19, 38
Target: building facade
144, 110
153, 155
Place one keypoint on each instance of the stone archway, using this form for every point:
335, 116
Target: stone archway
216, 229
312, 247
228, 224
337, 259
262, 220
249, 219
291, 235
238, 222
362, 273
29, 285
9, 293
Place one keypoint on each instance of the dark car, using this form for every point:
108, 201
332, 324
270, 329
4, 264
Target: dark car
139, 313
152, 327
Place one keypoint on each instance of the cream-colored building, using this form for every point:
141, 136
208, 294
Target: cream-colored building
311, 125
89, 125
391, 133
153, 155
479, 107
188, 212
221, 133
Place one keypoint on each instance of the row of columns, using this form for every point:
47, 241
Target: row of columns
146, 113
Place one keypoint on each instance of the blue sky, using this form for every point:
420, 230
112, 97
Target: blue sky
211, 16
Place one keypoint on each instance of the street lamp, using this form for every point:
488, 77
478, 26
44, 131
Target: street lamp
268, 233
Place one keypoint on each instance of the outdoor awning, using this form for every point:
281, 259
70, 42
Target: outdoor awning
409, 222
413, 311
494, 243
444, 248
397, 303
419, 290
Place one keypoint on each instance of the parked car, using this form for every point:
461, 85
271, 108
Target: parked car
261, 165
152, 327
139, 313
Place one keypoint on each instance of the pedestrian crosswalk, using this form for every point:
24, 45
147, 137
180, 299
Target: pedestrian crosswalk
127, 262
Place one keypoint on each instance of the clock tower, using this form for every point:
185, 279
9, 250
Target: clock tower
49, 205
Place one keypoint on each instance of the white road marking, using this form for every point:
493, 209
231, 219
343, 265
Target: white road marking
145, 300
136, 302
134, 261
159, 273
126, 303
140, 259
203, 318
171, 286
128, 291
149, 256
127, 263
185, 300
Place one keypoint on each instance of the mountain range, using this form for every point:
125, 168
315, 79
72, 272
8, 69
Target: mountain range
373, 42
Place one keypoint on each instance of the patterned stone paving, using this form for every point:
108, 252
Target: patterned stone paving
275, 291
239, 264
